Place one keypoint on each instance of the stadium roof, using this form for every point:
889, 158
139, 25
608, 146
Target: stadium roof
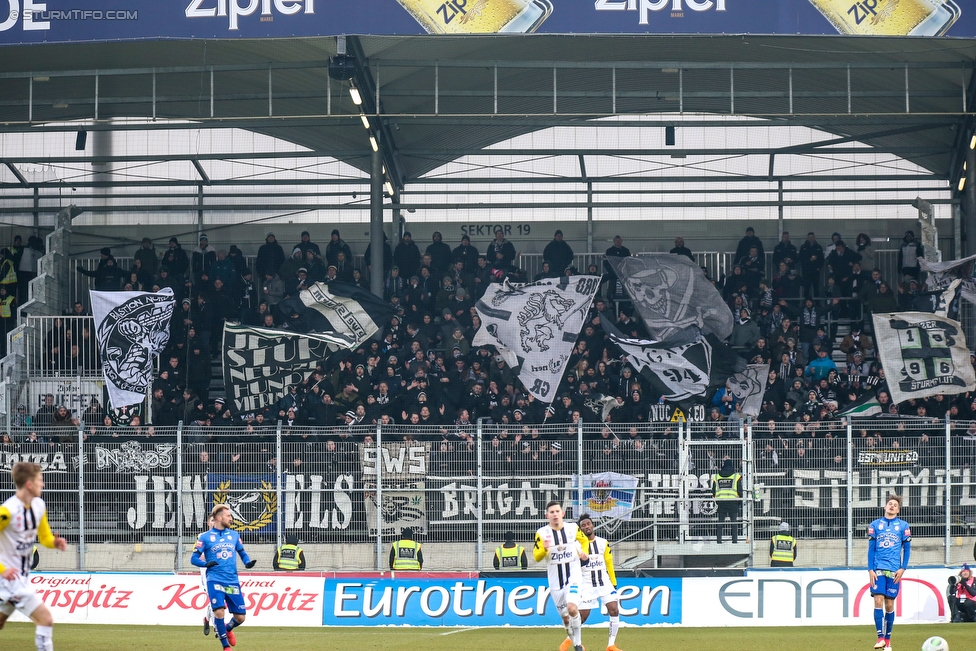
434, 100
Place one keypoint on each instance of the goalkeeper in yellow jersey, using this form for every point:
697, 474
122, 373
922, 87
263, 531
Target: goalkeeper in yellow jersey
599, 579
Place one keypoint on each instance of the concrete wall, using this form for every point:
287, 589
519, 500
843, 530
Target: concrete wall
129, 557
528, 236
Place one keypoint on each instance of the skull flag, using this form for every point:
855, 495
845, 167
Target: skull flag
673, 298
534, 327
131, 328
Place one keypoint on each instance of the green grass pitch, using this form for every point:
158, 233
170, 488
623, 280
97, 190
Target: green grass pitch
20, 637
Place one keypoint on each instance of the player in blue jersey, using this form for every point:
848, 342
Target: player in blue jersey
889, 548
217, 550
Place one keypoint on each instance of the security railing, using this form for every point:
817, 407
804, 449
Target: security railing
139, 496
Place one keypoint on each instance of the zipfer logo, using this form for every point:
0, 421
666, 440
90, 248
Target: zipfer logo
233, 11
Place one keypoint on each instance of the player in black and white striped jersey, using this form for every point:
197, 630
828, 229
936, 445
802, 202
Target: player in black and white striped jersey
599, 579
562, 544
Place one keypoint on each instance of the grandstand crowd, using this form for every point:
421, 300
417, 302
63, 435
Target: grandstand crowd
423, 370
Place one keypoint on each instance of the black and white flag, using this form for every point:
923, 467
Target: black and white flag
748, 387
337, 308
131, 329
922, 355
534, 327
676, 372
942, 274
600, 406
261, 363
683, 371
673, 298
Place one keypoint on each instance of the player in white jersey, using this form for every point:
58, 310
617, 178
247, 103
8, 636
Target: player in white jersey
562, 544
23, 521
599, 579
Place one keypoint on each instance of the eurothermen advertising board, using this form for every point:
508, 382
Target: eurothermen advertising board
58, 21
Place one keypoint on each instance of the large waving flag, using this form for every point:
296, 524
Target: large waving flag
131, 329
673, 298
534, 327
338, 308
923, 355
261, 363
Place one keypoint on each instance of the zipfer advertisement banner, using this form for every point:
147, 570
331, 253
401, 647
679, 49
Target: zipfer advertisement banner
59, 21
756, 598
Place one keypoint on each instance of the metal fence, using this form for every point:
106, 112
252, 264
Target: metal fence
718, 264
126, 496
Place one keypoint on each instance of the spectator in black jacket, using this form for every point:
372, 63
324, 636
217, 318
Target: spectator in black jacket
337, 244
558, 253
466, 254
786, 252
270, 257
307, 244
501, 253
681, 249
204, 257
406, 256
811, 256
440, 254
108, 277
618, 250
750, 240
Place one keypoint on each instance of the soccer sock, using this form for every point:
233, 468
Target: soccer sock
44, 638
889, 623
879, 621
614, 625
221, 631
575, 627
569, 629
232, 624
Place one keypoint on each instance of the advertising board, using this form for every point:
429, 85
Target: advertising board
30, 21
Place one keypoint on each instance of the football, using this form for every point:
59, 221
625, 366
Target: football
935, 643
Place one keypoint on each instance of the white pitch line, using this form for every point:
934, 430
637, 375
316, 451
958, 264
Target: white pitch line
460, 630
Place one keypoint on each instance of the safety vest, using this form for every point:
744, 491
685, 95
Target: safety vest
726, 487
509, 557
783, 548
405, 555
288, 557
6, 305
8, 275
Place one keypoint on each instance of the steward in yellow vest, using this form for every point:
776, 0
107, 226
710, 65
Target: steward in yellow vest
727, 491
782, 547
405, 554
510, 556
289, 557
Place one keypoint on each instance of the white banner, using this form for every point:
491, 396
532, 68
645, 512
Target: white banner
173, 599
131, 329
748, 388
535, 326
923, 355
809, 598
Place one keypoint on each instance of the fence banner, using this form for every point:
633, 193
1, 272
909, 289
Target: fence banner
809, 598
173, 599
484, 602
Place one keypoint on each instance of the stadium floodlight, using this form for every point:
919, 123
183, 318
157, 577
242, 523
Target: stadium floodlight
373, 143
972, 143
962, 183
357, 99
389, 188
362, 116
